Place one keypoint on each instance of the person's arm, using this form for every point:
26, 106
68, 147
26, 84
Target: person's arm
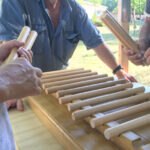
144, 36
104, 53
19, 78
92, 38
143, 42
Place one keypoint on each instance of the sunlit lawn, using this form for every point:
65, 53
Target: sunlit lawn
87, 58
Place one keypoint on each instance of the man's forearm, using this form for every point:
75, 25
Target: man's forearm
144, 36
106, 56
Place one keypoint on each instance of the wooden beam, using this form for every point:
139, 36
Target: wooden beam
124, 20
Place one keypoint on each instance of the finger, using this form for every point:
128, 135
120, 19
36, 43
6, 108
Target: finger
22, 53
148, 60
11, 104
129, 52
38, 72
8, 105
20, 105
127, 80
26, 54
30, 55
38, 90
39, 82
132, 79
12, 44
136, 56
147, 53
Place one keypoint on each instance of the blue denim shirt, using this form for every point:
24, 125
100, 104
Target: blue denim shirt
52, 49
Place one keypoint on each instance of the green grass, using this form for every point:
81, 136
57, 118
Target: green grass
88, 59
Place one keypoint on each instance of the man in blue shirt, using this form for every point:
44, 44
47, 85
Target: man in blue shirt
60, 25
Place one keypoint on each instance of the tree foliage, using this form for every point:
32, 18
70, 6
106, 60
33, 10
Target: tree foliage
138, 6
111, 4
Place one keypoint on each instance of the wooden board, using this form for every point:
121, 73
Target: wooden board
74, 135
30, 133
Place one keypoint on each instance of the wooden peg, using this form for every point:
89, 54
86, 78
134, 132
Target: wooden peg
105, 98
60, 71
44, 81
30, 40
84, 95
127, 126
78, 84
48, 76
69, 81
89, 87
110, 106
119, 32
119, 114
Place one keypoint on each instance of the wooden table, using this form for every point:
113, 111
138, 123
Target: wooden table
30, 133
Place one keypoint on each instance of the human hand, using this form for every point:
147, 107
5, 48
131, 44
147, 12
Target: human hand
135, 58
15, 103
20, 79
27, 54
6, 48
147, 56
122, 74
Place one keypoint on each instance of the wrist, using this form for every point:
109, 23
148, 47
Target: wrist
117, 69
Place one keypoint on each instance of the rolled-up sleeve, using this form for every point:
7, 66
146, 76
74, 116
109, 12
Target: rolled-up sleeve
11, 20
147, 8
89, 34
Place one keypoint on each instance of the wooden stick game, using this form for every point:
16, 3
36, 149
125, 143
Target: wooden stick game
77, 103
119, 32
28, 37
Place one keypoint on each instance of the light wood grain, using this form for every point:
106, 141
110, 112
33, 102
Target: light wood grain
119, 32
93, 93
30, 40
47, 85
60, 71
48, 76
78, 84
30, 133
105, 98
89, 87
73, 135
111, 105
120, 114
127, 126
84, 74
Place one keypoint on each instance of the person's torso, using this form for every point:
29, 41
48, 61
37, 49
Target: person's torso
6, 135
53, 48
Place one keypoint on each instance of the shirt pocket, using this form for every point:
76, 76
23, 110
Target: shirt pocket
73, 38
38, 46
71, 41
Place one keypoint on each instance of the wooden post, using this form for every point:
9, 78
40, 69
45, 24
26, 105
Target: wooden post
124, 20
